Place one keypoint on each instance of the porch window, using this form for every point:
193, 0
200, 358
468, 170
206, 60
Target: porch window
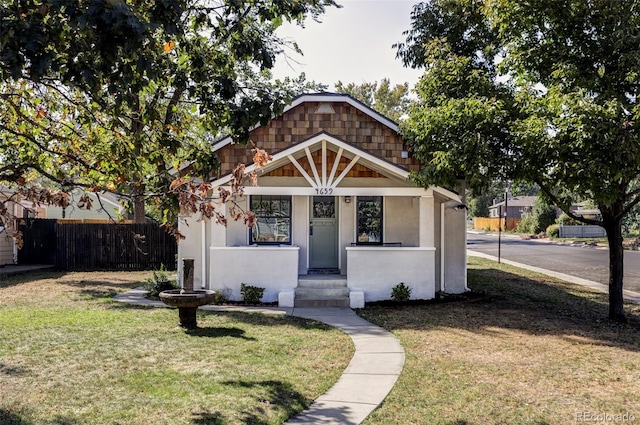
369, 218
274, 219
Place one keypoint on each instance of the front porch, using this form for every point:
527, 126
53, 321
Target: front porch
371, 273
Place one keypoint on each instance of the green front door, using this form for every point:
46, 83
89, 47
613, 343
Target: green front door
323, 233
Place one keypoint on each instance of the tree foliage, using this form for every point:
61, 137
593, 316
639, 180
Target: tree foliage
544, 92
389, 101
111, 95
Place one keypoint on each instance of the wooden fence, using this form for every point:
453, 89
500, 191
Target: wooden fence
492, 223
88, 247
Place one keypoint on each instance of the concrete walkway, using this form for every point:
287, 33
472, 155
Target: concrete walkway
370, 376
14, 269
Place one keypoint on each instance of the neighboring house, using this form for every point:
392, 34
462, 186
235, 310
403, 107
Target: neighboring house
517, 207
22, 209
335, 199
104, 206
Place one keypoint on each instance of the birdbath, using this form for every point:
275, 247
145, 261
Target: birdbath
186, 299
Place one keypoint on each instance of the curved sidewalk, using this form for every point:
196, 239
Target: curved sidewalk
370, 376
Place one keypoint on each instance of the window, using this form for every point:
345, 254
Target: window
369, 218
274, 219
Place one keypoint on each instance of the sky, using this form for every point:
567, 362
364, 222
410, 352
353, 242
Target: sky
351, 44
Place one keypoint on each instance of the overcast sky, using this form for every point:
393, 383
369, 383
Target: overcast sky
352, 44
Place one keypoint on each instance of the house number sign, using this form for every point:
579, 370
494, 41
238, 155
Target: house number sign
324, 190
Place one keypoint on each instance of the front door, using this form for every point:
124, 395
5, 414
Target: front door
323, 233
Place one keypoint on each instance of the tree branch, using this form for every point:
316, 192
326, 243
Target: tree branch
568, 211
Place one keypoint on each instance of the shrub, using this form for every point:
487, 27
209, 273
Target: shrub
553, 231
543, 214
400, 292
526, 224
567, 221
251, 294
159, 282
221, 296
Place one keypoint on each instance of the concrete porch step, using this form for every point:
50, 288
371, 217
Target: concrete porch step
322, 291
312, 292
322, 302
322, 284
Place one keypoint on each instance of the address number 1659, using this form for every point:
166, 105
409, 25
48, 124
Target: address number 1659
324, 190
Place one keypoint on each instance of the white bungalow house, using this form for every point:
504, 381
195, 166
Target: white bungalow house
336, 211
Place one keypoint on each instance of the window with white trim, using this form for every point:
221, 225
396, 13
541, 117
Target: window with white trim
369, 220
273, 225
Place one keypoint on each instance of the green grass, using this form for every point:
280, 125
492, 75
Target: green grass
535, 351
71, 355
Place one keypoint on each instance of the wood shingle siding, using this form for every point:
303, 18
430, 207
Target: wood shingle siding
347, 123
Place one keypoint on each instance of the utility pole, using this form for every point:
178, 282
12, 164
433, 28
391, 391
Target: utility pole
499, 236
506, 215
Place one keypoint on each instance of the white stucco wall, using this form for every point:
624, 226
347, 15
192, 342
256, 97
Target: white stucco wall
437, 238
401, 215
347, 232
454, 239
300, 230
191, 247
274, 268
237, 233
376, 270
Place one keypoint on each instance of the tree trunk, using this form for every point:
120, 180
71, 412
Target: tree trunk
613, 228
139, 216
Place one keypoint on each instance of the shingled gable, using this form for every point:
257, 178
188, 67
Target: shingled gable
337, 115
340, 159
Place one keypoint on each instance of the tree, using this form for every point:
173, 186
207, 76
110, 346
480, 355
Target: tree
544, 92
543, 214
389, 101
111, 95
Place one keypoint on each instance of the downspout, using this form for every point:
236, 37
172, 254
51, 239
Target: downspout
442, 250
203, 262
15, 246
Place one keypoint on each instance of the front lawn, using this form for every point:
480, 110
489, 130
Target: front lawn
69, 354
536, 351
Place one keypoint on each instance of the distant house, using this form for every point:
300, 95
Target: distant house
516, 206
23, 209
105, 206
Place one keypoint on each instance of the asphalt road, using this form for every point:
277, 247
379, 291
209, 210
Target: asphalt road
586, 262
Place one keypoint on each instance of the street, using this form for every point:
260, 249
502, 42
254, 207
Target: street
581, 261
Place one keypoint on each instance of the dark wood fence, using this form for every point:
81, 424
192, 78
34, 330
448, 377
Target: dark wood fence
86, 247
39, 238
